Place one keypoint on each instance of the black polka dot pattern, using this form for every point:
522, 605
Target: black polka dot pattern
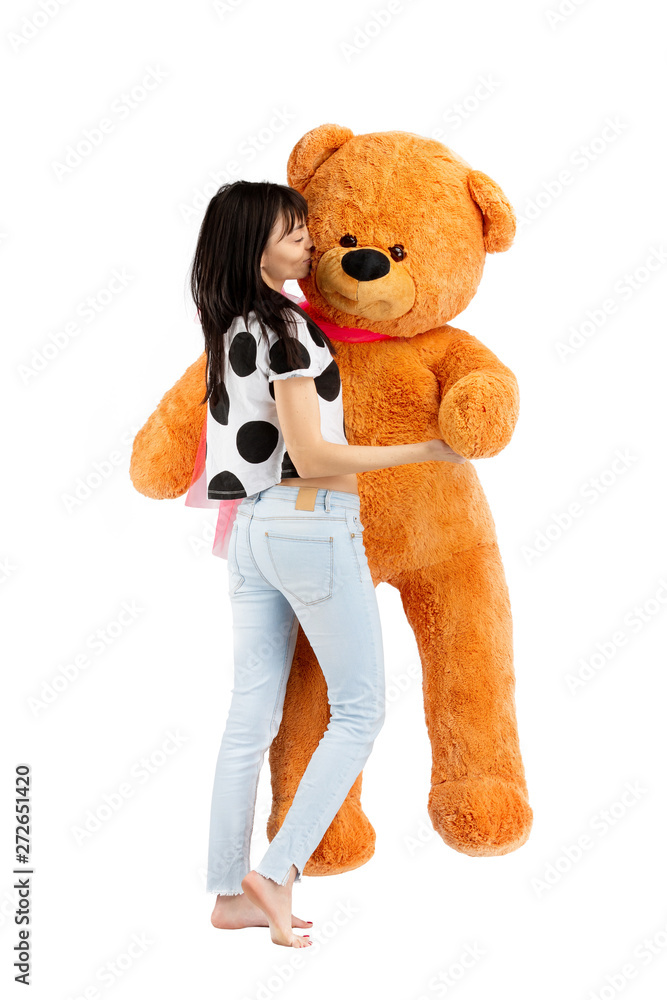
256, 440
243, 354
220, 411
226, 482
278, 360
245, 450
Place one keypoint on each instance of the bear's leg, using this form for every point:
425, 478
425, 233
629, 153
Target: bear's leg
349, 841
460, 613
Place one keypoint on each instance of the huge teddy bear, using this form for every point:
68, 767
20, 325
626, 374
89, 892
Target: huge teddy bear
401, 227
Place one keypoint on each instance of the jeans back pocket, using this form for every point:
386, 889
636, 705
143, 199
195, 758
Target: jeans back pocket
303, 565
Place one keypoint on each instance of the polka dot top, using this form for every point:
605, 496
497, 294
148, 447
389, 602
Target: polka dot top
245, 450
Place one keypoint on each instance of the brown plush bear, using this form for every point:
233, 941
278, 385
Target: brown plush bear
423, 222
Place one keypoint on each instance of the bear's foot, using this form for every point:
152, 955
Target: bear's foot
480, 817
348, 843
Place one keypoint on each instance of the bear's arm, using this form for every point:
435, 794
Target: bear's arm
479, 395
164, 450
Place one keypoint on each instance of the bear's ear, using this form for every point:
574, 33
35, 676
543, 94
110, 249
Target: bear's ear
499, 217
312, 150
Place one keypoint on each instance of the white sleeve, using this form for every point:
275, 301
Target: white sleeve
314, 354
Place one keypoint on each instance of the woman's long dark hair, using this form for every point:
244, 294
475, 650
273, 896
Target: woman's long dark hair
226, 280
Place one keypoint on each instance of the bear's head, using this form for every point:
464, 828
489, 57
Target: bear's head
401, 227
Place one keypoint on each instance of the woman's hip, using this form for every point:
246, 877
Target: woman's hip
307, 544
303, 498
315, 556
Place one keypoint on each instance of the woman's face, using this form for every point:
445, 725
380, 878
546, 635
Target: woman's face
286, 258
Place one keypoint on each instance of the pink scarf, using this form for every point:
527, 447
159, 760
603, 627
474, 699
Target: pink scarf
197, 493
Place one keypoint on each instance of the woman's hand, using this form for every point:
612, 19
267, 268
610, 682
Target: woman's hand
438, 450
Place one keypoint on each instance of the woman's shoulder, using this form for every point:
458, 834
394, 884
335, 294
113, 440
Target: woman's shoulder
239, 325
299, 326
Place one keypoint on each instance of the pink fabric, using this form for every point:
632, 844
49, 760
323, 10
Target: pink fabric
197, 495
350, 334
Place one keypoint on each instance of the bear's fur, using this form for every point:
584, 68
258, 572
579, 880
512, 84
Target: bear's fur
428, 529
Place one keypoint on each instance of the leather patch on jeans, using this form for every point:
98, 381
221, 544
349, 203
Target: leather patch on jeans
306, 497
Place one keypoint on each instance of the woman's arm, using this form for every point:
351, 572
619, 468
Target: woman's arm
299, 417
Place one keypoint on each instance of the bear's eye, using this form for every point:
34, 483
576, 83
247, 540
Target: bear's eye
348, 240
397, 252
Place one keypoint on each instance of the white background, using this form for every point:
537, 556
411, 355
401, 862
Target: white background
398, 926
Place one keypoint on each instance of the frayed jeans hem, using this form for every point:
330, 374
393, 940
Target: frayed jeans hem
297, 877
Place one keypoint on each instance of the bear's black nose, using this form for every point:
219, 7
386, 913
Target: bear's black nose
365, 265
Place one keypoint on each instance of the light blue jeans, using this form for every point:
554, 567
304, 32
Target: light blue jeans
289, 566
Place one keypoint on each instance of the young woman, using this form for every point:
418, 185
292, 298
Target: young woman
274, 428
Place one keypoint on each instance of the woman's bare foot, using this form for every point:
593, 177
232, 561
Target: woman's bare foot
234, 912
276, 902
